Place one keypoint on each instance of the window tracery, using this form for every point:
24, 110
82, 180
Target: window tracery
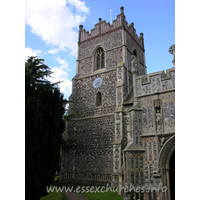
99, 59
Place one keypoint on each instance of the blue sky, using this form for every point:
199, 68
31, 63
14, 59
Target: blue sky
51, 31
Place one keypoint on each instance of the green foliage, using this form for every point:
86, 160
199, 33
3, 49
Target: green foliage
36, 71
55, 196
56, 178
44, 125
68, 117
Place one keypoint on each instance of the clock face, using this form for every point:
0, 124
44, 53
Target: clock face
97, 83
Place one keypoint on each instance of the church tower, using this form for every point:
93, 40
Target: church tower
103, 82
124, 133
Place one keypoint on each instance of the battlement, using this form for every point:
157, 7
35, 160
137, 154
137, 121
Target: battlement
102, 28
155, 82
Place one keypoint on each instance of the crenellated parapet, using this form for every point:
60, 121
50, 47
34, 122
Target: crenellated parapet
132, 31
103, 28
155, 82
100, 28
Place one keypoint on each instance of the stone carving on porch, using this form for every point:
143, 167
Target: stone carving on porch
158, 115
162, 141
158, 121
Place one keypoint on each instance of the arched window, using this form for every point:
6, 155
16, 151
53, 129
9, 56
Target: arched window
98, 99
99, 59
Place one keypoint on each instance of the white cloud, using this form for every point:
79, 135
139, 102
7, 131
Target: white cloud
80, 6
61, 61
31, 52
55, 22
60, 73
54, 51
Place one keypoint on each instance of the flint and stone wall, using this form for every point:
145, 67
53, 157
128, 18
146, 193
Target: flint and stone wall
152, 123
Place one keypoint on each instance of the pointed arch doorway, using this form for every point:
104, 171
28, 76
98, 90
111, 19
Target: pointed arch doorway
172, 175
167, 168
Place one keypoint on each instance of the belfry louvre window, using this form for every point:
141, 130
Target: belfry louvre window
100, 58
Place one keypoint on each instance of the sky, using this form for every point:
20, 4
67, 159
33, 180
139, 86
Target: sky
51, 31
